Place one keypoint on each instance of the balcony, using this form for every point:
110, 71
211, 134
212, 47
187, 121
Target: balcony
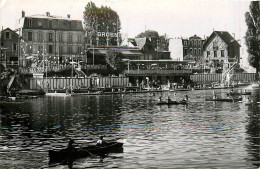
158, 72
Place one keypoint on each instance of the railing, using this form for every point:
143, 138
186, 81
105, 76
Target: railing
32, 70
158, 72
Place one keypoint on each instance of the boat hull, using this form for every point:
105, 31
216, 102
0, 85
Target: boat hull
96, 150
172, 103
224, 100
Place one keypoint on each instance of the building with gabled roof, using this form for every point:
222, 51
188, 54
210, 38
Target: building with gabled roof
219, 48
9, 48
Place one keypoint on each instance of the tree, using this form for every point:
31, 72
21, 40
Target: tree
103, 19
113, 59
160, 42
253, 34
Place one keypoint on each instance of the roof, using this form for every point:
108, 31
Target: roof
225, 36
51, 17
140, 42
103, 51
10, 30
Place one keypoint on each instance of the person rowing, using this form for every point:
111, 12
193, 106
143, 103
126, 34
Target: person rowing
71, 147
101, 141
169, 100
185, 99
160, 99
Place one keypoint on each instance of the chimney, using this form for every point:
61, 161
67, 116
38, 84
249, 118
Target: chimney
68, 15
48, 13
23, 14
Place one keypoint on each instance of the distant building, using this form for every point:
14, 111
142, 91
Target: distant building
149, 50
221, 48
9, 47
176, 49
193, 48
97, 55
55, 39
187, 49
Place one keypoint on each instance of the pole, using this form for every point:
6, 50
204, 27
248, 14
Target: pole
93, 54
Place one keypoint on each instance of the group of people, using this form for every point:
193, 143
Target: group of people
169, 100
72, 145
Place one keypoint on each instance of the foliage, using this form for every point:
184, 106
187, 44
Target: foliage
162, 42
103, 19
113, 58
253, 34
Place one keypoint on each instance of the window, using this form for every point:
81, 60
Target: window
40, 47
70, 38
29, 23
215, 54
199, 51
39, 36
14, 46
50, 37
191, 51
185, 43
39, 23
185, 51
79, 39
50, 49
208, 53
60, 37
7, 35
60, 49
195, 51
79, 49
50, 24
69, 49
195, 43
30, 49
30, 36
222, 53
215, 45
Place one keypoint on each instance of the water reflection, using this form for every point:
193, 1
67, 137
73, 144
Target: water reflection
253, 130
198, 135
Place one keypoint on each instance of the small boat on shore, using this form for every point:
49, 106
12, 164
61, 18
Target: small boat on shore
93, 150
224, 99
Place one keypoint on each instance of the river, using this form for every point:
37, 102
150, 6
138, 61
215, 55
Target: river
198, 135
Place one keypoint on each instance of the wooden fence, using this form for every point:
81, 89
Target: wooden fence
209, 78
60, 83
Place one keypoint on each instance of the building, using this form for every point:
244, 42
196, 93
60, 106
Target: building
176, 49
193, 48
221, 48
97, 55
51, 40
9, 48
148, 49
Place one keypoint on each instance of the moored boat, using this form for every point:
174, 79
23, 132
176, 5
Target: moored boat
172, 102
93, 150
224, 99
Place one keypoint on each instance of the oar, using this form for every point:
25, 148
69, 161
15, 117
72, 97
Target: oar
93, 155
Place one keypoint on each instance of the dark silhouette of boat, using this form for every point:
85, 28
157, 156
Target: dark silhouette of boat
172, 102
224, 99
93, 150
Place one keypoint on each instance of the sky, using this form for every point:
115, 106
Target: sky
175, 18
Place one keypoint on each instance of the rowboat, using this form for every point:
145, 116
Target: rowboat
244, 93
172, 102
224, 99
93, 150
